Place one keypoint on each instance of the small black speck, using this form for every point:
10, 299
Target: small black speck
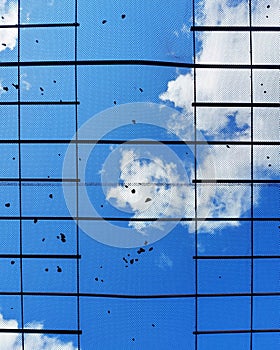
125, 260
59, 269
108, 311
54, 81
128, 254
63, 237
131, 261
2, 17
115, 102
126, 265
5, 88
36, 41
141, 90
35, 221
96, 279
269, 165
136, 259
146, 242
46, 269
101, 267
264, 92
43, 239
80, 159
101, 205
13, 158
133, 121
59, 154
268, 6
50, 196
133, 191
220, 276
267, 157
228, 146
147, 200
153, 325
7, 205
266, 16
12, 262
4, 44
150, 249
104, 21
123, 16
12, 308
133, 339
125, 186
16, 86
102, 281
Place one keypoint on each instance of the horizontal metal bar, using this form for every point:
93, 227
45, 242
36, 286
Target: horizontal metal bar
239, 331
40, 256
142, 142
37, 103
99, 218
235, 181
234, 29
137, 63
40, 331
232, 257
38, 179
237, 104
139, 296
39, 25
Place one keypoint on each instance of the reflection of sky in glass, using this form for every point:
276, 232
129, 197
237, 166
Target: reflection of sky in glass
60, 257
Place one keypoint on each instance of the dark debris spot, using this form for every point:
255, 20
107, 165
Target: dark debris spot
96, 279
153, 325
264, 92
46, 269
104, 21
146, 242
131, 261
125, 260
268, 6
133, 191
140, 250
150, 249
7, 205
43, 239
228, 146
141, 90
128, 254
133, 121
123, 16
101, 267
108, 311
50, 196
115, 102
3, 44
101, 205
35, 221
12, 262
2, 17
133, 339
267, 157
36, 41
136, 259
63, 237
16, 86
14, 158
5, 88
148, 199
220, 276
102, 281
269, 165
59, 269
54, 81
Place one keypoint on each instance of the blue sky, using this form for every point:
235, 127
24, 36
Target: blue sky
125, 102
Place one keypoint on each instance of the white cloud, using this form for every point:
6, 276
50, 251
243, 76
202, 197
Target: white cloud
217, 123
8, 15
164, 262
228, 85
12, 341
